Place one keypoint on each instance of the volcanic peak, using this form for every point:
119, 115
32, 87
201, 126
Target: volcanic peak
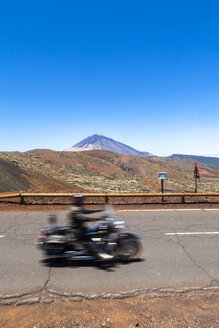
98, 141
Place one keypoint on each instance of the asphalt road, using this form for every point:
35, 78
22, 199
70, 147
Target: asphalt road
180, 251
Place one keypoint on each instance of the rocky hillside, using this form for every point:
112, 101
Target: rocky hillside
104, 171
14, 176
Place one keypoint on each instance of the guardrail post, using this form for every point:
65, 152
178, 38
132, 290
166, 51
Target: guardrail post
21, 198
106, 199
183, 199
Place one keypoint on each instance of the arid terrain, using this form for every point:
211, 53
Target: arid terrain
188, 310
15, 177
104, 171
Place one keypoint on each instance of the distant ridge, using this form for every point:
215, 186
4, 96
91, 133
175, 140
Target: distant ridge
98, 141
210, 161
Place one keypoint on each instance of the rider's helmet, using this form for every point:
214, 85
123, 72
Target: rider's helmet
78, 199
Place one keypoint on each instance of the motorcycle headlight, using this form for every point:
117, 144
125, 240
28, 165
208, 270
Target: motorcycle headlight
118, 225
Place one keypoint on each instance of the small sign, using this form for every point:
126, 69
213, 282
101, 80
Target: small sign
162, 175
196, 171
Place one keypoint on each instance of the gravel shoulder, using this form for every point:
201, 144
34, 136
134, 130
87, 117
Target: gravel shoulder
14, 206
176, 311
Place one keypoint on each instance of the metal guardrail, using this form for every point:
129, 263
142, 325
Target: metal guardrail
106, 196
7, 195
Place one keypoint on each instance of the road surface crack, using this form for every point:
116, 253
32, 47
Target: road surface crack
48, 279
8, 228
178, 242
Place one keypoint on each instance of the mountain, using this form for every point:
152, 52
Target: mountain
98, 141
210, 161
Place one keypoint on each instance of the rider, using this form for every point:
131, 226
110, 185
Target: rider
78, 218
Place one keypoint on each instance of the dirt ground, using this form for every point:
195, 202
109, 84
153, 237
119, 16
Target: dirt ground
177, 311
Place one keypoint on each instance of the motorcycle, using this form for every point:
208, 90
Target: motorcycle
105, 241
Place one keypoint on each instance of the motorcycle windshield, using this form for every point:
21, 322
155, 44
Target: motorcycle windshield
111, 214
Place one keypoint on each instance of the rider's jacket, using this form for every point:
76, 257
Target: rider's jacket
78, 218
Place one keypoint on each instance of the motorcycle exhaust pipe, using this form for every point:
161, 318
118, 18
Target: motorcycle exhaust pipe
56, 256
82, 257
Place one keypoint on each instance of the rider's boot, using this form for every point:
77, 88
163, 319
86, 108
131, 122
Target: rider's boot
104, 256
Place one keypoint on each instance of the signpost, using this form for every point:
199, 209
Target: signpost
162, 176
196, 176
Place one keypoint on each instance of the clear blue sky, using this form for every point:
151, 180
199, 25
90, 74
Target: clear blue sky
145, 73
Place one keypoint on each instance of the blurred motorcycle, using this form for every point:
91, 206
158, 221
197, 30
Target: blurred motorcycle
105, 241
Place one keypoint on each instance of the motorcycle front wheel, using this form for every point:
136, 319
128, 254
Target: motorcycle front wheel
128, 249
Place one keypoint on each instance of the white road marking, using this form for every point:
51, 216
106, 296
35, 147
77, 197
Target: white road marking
162, 210
148, 210
192, 233
170, 209
1, 236
190, 209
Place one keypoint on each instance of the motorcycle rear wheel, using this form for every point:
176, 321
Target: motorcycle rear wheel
128, 249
